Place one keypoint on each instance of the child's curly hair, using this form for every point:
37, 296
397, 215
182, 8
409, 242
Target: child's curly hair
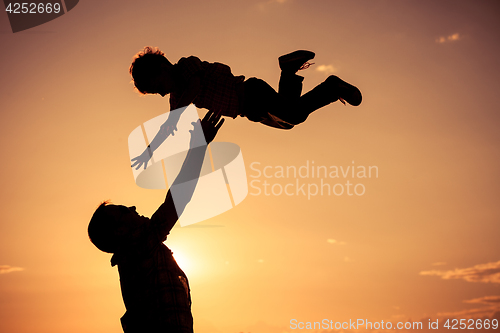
145, 68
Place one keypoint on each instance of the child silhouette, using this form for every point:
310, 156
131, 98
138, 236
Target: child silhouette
212, 86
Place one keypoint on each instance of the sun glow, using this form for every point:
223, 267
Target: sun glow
183, 261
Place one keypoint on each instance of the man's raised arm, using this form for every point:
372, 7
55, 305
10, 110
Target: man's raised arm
169, 212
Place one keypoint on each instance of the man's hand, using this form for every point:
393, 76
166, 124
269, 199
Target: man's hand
167, 130
210, 125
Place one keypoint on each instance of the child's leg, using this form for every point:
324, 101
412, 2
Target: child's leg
263, 104
323, 94
261, 100
296, 108
290, 85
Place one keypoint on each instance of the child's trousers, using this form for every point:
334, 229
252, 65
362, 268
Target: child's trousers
262, 103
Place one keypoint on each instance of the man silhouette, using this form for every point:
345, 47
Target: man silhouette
154, 288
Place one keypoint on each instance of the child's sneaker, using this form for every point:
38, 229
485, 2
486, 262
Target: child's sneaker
346, 92
292, 62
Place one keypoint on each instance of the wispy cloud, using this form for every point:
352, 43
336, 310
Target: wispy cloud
263, 5
439, 263
489, 272
492, 308
326, 69
334, 241
487, 311
447, 39
4, 269
485, 300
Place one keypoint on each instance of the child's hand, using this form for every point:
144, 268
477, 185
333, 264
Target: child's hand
142, 159
210, 125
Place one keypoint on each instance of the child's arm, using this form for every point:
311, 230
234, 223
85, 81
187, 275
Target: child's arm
168, 213
170, 125
166, 129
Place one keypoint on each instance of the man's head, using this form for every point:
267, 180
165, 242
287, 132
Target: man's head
151, 72
111, 225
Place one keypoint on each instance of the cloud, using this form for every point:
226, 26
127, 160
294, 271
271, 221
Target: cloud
326, 69
439, 263
492, 309
263, 5
334, 241
4, 269
485, 300
488, 311
451, 38
489, 272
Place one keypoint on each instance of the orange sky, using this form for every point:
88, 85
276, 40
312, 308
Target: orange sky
421, 242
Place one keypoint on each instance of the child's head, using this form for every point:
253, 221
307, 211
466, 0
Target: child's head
148, 68
110, 226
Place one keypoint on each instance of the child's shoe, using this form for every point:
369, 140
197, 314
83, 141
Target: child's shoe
345, 91
292, 62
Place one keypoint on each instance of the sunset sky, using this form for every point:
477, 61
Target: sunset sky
421, 241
